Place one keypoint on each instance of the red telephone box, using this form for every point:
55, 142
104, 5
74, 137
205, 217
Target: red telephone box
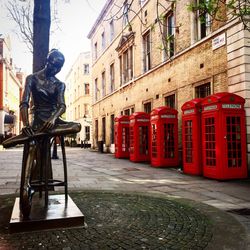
191, 137
164, 137
224, 136
122, 136
139, 137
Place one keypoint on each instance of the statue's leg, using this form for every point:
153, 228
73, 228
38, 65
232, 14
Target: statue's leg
26, 192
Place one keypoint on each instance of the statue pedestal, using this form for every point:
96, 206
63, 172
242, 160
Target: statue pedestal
57, 214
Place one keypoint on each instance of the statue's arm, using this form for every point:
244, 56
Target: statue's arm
24, 106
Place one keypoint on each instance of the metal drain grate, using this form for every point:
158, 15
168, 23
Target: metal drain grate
241, 211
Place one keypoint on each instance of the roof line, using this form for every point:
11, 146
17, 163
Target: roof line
99, 18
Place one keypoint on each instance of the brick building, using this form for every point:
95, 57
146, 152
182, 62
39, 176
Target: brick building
78, 97
162, 54
10, 92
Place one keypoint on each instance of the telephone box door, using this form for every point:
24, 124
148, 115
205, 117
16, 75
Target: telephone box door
122, 136
224, 136
191, 137
164, 137
139, 137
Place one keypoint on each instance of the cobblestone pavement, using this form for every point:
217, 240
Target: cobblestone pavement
131, 221
159, 220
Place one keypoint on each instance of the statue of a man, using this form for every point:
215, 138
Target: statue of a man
46, 94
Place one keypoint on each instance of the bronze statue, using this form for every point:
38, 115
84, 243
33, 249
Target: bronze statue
46, 94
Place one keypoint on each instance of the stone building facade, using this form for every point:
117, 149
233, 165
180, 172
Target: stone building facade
159, 53
79, 97
10, 92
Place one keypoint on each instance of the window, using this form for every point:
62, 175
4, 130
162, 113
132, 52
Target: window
87, 133
78, 91
170, 101
125, 12
86, 88
203, 90
86, 109
168, 35
112, 77
96, 131
112, 30
142, 2
103, 84
86, 69
95, 50
126, 112
147, 107
203, 22
103, 41
126, 65
146, 52
104, 130
112, 129
79, 111
96, 89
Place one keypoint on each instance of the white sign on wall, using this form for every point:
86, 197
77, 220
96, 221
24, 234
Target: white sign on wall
219, 41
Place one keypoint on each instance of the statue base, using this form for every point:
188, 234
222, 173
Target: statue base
58, 214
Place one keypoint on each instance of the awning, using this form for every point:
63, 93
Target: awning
9, 119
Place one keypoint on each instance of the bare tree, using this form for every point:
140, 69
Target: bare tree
21, 14
33, 20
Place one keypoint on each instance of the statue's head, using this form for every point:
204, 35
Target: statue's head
55, 61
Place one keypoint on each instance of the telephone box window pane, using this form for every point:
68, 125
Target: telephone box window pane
210, 155
125, 139
143, 140
168, 145
188, 141
154, 141
234, 152
131, 139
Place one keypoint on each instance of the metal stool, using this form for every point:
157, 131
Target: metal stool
43, 163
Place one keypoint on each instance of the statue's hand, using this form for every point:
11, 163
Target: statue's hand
48, 125
28, 131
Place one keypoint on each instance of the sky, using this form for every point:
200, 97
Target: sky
76, 20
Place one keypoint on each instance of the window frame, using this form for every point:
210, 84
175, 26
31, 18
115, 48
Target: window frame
103, 40
199, 88
112, 30
169, 31
170, 96
146, 38
104, 83
86, 69
112, 77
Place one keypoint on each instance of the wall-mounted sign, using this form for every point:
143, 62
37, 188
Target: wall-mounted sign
219, 41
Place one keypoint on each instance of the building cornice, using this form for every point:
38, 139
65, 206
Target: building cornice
100, 17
